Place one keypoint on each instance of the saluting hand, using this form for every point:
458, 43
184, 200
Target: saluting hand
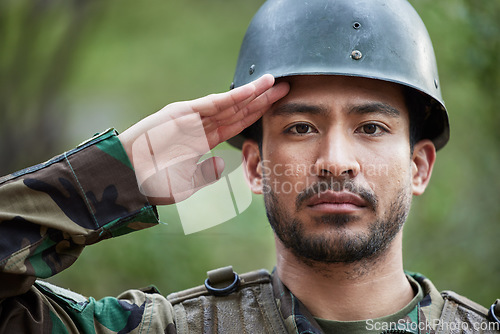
166, 146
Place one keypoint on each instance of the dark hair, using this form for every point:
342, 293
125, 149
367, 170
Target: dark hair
417, 109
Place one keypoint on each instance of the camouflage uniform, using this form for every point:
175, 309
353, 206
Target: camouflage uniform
49, 212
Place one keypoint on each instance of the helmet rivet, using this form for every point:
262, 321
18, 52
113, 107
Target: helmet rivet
232, 86
436, 83
356, 55
356, 25
252, 69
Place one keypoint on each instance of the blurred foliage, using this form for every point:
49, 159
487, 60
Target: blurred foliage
452, 234
71, 68
39, 42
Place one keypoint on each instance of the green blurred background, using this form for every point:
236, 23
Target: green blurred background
71, 68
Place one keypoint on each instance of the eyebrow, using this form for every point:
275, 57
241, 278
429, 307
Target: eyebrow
288, 109
376, 107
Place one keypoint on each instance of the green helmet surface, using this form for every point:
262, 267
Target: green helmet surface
377, 39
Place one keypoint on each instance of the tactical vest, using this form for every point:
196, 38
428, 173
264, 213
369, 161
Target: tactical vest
229, 303
245, 305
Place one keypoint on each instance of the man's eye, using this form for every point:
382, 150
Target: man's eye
301, 128
371, 129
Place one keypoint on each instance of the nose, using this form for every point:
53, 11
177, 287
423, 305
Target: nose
337, 157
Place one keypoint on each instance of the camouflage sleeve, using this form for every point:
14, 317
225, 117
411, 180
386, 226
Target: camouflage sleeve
46, 308
49, 212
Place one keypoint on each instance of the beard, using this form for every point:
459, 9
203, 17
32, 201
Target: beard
340, 246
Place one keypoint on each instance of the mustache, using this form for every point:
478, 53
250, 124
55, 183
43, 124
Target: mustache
317, 188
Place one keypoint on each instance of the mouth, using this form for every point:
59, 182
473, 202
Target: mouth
336, 202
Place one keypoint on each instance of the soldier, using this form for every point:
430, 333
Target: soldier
356, 91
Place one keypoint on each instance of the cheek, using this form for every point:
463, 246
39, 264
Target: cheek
286, 173
387, 171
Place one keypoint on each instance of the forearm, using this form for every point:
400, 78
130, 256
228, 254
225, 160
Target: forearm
49, 212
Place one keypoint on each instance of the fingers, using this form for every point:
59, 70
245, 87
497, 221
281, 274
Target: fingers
250, 114
256, 108
227, 102
205, 173
179, 181
255, 88
208, 171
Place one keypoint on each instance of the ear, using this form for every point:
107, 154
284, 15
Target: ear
423, 158
252, 165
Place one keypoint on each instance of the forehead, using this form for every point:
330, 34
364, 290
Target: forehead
340, 92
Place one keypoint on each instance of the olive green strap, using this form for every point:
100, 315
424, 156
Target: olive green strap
461, 315
249, 308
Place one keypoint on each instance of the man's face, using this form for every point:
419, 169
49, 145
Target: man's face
336, 167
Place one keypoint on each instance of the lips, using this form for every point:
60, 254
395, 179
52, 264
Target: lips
336, 202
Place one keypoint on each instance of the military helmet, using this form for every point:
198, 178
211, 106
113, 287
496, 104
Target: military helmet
377, 39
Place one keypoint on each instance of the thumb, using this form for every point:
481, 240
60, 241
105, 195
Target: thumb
208, 171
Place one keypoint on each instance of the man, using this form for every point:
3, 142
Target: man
343, 140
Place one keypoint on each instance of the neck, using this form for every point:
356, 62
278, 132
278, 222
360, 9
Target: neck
360, 291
